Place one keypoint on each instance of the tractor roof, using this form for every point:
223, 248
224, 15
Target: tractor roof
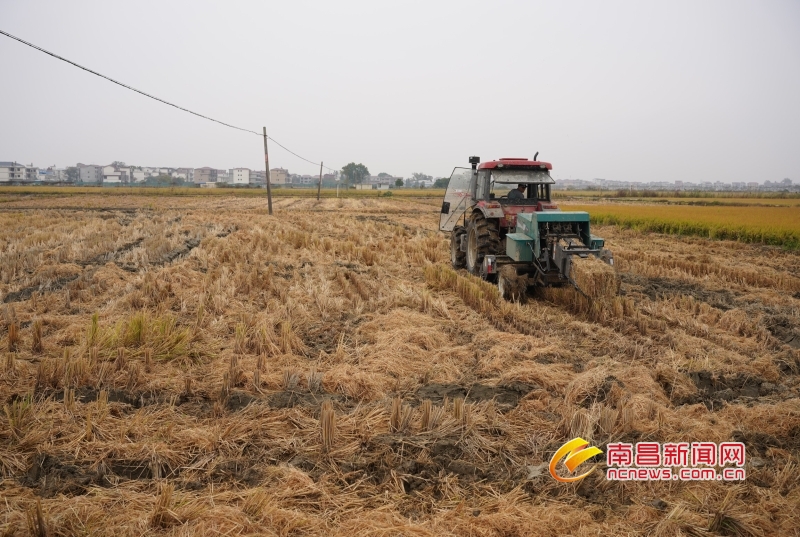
514, 163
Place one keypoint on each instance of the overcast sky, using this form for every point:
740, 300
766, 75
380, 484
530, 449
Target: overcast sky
691, 90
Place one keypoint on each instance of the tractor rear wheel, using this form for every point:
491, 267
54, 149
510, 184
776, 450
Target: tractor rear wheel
483, 238
458, 258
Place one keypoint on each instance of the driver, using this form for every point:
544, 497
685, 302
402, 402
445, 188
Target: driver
518, 193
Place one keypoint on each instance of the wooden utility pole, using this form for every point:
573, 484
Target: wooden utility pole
319, 185
266, 162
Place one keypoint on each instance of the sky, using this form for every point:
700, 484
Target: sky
632, 91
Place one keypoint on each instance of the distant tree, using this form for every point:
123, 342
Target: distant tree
398, 182
441, 182
384, 174
72, 174
159, 180
418, 177
118, 164
355, 173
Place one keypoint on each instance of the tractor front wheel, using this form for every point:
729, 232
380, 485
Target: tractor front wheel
458, 258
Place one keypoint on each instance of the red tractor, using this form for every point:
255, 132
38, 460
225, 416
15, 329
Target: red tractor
511, 231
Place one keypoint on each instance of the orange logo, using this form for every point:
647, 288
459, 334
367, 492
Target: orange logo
576, 453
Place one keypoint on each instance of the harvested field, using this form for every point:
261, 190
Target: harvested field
193, 366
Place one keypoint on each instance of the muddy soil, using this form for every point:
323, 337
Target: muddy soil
660, 288
505, 395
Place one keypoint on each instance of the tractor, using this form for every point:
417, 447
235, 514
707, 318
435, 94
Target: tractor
520, 238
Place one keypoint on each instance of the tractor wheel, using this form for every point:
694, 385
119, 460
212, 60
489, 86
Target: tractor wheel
457, 258
483, 237
511, 285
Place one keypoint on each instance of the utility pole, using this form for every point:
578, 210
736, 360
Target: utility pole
266, 163
319, 185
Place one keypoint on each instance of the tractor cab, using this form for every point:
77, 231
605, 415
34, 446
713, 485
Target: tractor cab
501, 178
499, 188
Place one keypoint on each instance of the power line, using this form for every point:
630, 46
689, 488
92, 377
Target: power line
156, 98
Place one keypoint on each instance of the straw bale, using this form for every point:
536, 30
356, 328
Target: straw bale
594, 277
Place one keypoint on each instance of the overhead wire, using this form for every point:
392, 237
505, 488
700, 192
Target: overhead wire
54, 55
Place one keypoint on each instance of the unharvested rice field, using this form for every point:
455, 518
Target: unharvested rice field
777, 225
194, 366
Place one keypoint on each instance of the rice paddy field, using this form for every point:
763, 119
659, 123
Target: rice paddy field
775, 225
190, 365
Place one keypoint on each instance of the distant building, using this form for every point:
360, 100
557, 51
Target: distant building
11, 171
52, 175
184, 174
223, 176
387, 180
240, 176
304, 180
205, 175
90, 173
115, 175
278, 176
330, 180
258, 177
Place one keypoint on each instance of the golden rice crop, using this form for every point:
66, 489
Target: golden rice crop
687, 198
778, 226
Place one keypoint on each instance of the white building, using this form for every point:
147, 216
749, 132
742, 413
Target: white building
90, 173
240, 176
304, 179
52, 174
187, 174
11, 171
113, 175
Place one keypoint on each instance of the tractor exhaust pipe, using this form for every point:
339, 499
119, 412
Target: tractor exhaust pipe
474, 161
536, 155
